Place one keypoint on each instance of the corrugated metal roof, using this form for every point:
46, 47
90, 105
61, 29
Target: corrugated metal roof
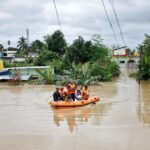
29, 67
8, 77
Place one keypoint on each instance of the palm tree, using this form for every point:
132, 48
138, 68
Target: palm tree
22, 45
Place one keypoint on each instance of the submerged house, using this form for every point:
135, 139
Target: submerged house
9, 54
25, 73
125, 57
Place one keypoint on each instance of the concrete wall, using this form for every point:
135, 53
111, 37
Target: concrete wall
30, 70
127, 62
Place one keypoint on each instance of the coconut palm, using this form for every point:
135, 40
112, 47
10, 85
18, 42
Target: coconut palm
22, 45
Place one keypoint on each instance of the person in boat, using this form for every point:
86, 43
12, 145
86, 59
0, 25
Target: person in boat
71, 87
63, 92
78, 95
57, 96
85, 93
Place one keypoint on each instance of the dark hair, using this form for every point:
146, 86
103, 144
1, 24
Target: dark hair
78, 91
86, 87
57, 88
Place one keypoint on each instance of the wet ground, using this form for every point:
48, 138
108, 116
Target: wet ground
120, 121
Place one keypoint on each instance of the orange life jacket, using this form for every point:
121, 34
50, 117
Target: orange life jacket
85, 94
71, 88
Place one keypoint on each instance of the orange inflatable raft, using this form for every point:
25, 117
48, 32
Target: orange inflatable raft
74, 103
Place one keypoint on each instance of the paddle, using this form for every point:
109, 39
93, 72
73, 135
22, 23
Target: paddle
49, 97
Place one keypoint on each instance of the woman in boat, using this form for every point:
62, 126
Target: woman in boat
78, 95
85, 92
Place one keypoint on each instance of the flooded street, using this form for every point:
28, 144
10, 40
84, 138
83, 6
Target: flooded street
120, 121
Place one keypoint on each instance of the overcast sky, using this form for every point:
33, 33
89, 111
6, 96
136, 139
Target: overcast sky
82, 17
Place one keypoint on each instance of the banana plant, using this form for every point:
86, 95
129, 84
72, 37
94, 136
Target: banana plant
47, 76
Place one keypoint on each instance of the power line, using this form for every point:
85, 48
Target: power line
57, 14
113, 7
110, 22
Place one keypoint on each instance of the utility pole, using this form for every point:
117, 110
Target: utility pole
27, 32
139, 78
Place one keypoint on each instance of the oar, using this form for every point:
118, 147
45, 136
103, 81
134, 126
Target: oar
49, 97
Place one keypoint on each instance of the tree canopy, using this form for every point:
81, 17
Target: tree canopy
80, 51
56, 42
144, 49
37, 46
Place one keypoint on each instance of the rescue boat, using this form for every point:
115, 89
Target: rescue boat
74, 103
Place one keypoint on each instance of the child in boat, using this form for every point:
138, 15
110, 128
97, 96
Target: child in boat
78, 95
57, 96
85, 92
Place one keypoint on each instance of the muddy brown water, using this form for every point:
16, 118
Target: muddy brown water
120, 121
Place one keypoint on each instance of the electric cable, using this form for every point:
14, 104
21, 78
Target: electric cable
57, 15
116, 16
110, 22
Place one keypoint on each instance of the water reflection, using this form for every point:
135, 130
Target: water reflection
75, 116
144, 102
70, 115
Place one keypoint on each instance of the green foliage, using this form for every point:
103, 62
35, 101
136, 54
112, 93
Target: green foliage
38, 46
106, 74
67, 59
58, 65
146, 45
74, 71
109, 70
47, 76
20, 53
7, 65
56, 42
95, 69
145, 58
23, 46
114, 68
82, 74
145, 67
83, 61
29, 60
45, 57
101, 54
80, 51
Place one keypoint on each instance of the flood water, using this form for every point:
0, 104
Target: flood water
120, 121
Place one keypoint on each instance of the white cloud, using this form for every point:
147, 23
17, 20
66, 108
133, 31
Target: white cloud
82, 17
